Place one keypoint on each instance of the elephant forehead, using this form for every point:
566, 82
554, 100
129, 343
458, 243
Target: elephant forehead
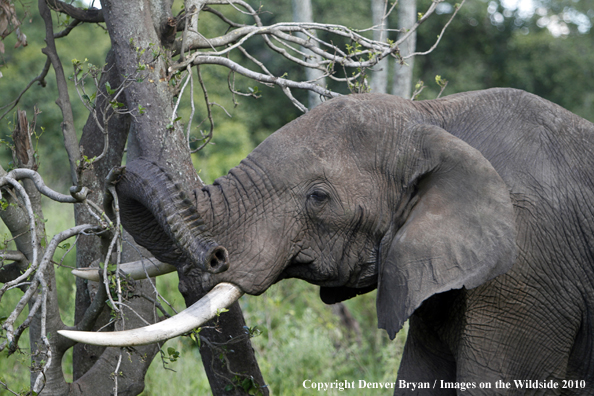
283, 153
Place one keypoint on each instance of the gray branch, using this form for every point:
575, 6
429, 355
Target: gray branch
20, 173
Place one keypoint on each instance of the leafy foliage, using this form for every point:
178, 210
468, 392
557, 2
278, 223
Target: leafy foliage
489, 49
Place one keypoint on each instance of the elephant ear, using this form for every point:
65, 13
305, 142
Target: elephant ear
459, 233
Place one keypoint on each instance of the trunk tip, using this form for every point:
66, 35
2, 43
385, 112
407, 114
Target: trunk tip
217, 260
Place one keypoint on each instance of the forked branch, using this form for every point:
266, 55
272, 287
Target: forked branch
288, 39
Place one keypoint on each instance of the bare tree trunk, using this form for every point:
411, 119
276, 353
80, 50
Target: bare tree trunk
407, 16
379, 76
225, 347
89, 247
302, 12
151, 136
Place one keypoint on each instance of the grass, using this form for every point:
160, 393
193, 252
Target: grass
301, 339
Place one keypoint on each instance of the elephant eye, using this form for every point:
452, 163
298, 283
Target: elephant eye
317, 197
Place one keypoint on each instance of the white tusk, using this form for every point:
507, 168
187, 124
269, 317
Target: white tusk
221, 296
136, 269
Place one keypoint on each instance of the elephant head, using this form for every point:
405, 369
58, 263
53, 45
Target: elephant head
362, 192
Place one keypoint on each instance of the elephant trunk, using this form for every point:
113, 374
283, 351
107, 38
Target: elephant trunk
160, 218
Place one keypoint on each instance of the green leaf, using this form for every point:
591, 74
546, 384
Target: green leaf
108, 88
221, 310
65, 246
246, 384
116, 104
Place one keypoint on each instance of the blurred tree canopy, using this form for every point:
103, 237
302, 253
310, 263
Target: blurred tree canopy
545, 49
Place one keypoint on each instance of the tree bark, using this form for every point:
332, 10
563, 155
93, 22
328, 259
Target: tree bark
226, 336
403, 74
135, 40
379, 76
91, 249
139, 55
302, 12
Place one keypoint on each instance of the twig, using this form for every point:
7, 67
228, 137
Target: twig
114, 240
222, 17
206, 139
68, 29
115, 374
188, 130
440, 35
179, 95
282, 82
33, 236
5, 386
40, 78
63, 101
92, 15
295, 102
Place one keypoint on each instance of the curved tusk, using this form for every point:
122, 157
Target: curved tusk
221, 296
135, 269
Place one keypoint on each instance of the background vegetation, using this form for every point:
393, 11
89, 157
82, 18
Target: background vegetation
545, 49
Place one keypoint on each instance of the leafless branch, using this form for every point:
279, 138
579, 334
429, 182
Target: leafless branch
222, 17
38, 280
457, 8
114, 240
91, 15
67, 29
282, 82
205, 138
29, 210
63, 101
9, 272
40, 79
20, 174
179, 96
189, 129
291, 36
116, 374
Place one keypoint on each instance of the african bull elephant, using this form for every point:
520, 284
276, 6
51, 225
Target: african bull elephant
472, 215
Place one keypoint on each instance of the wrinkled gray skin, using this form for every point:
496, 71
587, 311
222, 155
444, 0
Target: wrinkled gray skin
472, 215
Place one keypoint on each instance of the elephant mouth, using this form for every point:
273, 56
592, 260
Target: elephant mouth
306, 265
303, 257
368, 272
302, 266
